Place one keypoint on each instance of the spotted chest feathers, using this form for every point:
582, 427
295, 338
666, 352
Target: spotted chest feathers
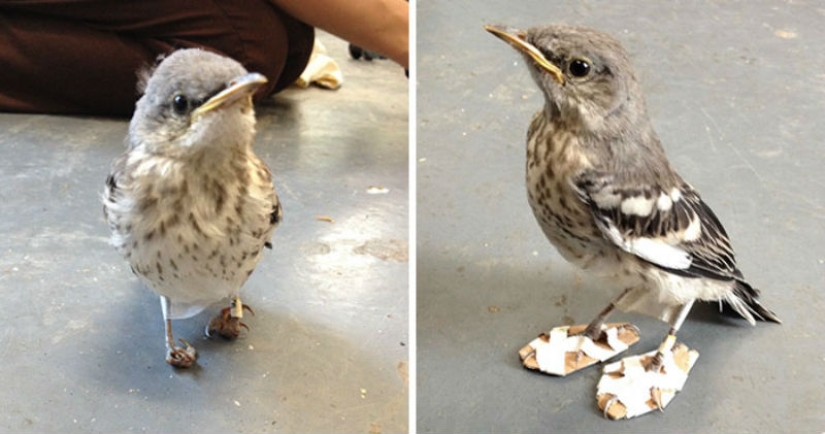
552, 160
191, 230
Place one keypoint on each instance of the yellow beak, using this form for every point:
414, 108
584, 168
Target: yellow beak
516, 38
242, 87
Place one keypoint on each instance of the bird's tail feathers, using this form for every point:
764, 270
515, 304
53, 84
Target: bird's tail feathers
744, 300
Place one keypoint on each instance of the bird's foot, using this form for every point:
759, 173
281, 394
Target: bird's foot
568, 349
181, 357
656, 363
637, 385
226, 324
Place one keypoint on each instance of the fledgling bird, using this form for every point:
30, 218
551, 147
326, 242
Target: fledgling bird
604, 193
190, 206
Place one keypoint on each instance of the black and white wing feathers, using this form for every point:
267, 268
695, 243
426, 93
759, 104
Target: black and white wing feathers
673, 229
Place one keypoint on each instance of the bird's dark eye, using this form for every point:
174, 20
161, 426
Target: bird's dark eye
579, 68
180, 104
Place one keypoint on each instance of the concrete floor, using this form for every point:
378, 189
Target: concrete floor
81, 341
737, 94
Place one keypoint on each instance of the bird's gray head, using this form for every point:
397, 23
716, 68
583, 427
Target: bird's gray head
584, 74
195, 100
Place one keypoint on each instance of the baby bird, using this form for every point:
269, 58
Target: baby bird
606, 196
189, 205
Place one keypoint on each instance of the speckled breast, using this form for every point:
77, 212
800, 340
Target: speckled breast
552, 160
196, 237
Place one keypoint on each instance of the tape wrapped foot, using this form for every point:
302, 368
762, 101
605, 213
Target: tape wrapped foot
628, 388
567, 349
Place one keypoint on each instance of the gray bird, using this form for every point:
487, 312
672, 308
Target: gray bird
190, 206
606, 196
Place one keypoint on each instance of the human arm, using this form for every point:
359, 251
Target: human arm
378, 25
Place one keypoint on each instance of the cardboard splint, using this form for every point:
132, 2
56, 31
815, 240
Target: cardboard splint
627, 390
564, 350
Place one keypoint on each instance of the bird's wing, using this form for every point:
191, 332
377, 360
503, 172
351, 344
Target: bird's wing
112, 188
274, 217
274, 209
672, 229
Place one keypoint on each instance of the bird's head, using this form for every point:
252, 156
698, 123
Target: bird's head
193, 101
584, 74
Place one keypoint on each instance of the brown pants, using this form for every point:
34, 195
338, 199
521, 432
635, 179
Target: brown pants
81, 56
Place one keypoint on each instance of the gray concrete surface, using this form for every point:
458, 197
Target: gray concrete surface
736, 91
81, 341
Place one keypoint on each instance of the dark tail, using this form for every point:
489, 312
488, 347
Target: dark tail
744, 300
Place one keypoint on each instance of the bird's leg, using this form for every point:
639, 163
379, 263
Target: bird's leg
594, 330
175, 355
228, 323
667, 344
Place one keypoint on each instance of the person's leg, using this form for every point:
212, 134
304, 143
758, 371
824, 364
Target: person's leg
82, 56
299, 48
56, 66
272, 42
